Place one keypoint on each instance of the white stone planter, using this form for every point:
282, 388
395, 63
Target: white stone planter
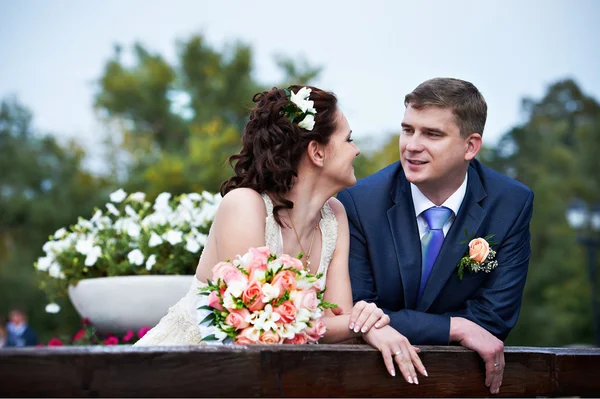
117, 304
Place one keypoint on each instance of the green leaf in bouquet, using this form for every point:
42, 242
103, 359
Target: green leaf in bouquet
210, 337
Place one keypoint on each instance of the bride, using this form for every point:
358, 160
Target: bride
297, 152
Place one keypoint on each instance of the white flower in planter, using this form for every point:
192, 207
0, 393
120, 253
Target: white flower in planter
118, 196
174, 237
52, 308
130, 233
136, 257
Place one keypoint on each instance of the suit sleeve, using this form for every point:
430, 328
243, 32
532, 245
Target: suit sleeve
496, 305
419, 327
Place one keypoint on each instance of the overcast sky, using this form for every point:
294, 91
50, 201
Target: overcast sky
373, 52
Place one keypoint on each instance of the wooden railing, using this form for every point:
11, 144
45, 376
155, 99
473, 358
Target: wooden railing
287, 370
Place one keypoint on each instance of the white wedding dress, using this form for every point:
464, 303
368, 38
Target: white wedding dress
180, 326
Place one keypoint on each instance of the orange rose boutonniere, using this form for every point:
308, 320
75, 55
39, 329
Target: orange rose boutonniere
479, 257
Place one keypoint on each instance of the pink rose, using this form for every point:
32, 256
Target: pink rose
253, 296
111, 340
479, 250
285, 281
316, 331
306, 299
245, 337
55, 342
299, 339
260, 254
237, 318
227, 272
287, 311
269, 337
214, 301
255, 266
288, 261
319, 284
143, 332
80, 335
128, 336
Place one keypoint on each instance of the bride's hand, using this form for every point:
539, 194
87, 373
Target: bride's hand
395, 346
364, 315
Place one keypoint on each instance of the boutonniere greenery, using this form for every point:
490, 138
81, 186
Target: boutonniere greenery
479, 257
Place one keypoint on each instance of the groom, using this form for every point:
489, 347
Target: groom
408, 220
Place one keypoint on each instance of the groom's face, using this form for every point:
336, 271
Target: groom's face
433, 154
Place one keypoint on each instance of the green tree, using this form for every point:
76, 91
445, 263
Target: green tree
42, 188
554, 153
181, 122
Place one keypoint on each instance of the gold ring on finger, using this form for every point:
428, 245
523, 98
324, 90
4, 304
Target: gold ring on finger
496, 364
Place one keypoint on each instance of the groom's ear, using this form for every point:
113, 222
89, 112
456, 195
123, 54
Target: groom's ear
473, 143
316, 153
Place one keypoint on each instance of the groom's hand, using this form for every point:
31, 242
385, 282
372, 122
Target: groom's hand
490, 348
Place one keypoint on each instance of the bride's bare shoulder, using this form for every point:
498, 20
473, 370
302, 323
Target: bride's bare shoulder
337, 208
242, 201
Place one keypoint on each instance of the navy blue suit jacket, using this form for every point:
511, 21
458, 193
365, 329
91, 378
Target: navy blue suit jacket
385, 254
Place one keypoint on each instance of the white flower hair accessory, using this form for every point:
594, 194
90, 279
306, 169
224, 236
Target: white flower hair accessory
302, 109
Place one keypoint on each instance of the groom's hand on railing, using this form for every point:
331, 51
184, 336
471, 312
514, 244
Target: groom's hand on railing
365, 315
490, 348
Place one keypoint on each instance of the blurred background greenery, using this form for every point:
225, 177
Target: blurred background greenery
160, 147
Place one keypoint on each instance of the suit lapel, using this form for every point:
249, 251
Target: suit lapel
405, 234
470, 216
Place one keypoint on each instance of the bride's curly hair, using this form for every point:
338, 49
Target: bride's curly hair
272, 145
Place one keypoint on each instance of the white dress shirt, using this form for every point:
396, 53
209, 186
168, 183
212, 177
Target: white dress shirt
422, 203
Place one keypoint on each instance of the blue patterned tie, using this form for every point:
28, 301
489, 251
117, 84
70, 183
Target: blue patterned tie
431, 243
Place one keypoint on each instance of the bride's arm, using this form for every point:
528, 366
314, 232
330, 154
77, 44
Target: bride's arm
238, 225
338, 283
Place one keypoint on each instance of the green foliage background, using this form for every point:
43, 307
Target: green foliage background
177, 124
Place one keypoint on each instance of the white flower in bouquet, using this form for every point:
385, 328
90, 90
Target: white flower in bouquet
166, 237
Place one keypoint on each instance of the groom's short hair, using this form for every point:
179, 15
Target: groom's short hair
461, 97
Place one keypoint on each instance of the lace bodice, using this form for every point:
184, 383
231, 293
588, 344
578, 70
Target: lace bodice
329, 234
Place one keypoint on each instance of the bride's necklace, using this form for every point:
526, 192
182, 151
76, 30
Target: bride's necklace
300, 242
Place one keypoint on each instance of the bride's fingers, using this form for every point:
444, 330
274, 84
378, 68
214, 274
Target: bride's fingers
356, 311
365, 314
383, 321
416, 360
389, 363
371, 320
406, 367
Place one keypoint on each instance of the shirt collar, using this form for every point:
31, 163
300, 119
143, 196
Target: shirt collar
422, 203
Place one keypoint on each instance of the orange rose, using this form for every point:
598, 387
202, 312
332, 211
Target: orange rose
269, 337
299, 339
285, 280
237, 318
254, 290
287, 311
479, 250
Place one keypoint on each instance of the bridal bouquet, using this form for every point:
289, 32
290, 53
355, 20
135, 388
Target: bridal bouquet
128, 236
261, 298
